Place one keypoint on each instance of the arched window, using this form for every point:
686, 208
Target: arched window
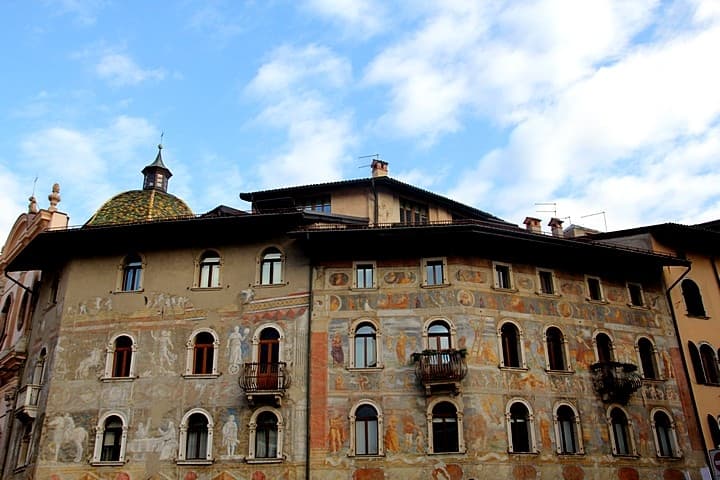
439, 337
664, 432
271, 267
555, 349
511, 346
5, 317
122, 357
710, 364
445, 428
714, 424
648, 359
110, 439
620, 432
266, 435
202, 353
209, 270
365, 354
366, 430
132, 273
196, 433
567, 430
604, 348
268, 359
693, 298
697, 364
521, 432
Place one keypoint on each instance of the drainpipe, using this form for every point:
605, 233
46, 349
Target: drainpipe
27, 289
681, 343
308, 362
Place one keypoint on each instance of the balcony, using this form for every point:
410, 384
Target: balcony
26, 402
265, 381
440, 370
615, 382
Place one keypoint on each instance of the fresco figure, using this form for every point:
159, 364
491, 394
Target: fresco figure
336, 350
336, 435
165, 350
237, 351
392, 439
400, 351
88, 364
230, 433
168, 441
65, 432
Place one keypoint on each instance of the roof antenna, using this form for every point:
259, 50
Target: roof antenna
547, 204
374, 156
597, 213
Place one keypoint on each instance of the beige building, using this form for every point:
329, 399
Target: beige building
361, 329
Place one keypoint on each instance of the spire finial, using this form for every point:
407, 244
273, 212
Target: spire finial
162, 134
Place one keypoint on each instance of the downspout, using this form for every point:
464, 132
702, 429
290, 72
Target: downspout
681, 343
308, 362
27, 289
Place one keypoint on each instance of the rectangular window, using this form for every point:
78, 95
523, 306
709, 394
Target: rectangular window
594, 289
636, 294
434, 272
364, 275
316, 204
547, 283
412, 213
503, 278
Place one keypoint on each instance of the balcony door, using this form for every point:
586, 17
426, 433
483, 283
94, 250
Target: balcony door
268, 359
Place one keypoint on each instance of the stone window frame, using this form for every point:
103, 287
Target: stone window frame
532, 440
676, 451
522, 358
121, 271
565, 351
577, 429
99, 438
654, 358
443, 265
630, 440
190, 355
252, 436
357, 323
380, 429
613, 357
261, 262
182, 442
199, 265
110, 358
508, 270
462, 448
553, 282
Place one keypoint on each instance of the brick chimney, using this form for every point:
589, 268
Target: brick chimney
379, 168
532, 224
555, 225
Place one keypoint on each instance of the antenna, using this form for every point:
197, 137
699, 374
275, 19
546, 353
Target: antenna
547, 204
374, 156
598, 213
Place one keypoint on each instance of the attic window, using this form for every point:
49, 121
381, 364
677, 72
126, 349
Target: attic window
412, 213
315, 204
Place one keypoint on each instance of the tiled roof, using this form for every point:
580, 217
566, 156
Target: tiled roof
138, 206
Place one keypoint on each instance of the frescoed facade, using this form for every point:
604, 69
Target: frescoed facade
363, 329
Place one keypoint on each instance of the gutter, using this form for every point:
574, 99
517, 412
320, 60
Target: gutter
27, 289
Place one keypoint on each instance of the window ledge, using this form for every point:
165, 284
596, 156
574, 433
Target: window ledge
369, 457
673, 458
264, 460
377, 368
699, 317
368, 289
194, 462
513, 369
570, 455
536, 452
118, 379
438, 285
207, 289
638, 307
600, 301
653, 380
461, 452
140, 290
200, 375
551, 295
114, 463
271, 285
626, 455
507, 290
559, 372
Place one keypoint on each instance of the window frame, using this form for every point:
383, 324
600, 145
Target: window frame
520, 346
352, 335
427, 263
182, 442
426, 336
629, 432
532, 438
110, 357
675, 450
353, 429
201, 262
600, 294
692, 297
709, 361
419, 212
356, 271
100, 430
137, 262
24, 444
552, 282
564, 349
430, 416
273, 264
576, 429
642, 357
596, 348
640, 293
502, 274
252, 436
190, 354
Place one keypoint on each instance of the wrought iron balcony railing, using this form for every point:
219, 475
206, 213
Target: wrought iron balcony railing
26, 402
265, 379
615, 381
436, 369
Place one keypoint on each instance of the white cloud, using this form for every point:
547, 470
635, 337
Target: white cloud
84, 11
362, 18
211, 20
120, 70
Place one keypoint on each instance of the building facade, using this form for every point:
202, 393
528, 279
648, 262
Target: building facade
362, 329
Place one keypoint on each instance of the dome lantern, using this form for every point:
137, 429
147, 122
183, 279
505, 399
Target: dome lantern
156, 174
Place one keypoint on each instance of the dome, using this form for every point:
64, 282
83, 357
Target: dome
139, 206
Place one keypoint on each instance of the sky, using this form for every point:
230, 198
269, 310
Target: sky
604, 113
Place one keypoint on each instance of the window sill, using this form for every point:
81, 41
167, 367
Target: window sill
206, 289
653, 380
460, 452
200, 375
361, 289
549, 295
673, 458
115, 292
699, 317
600, 301
264, 460
118, 379
506, 290
377, 368
434, 285
536, 452
271, 285
638, 307
114, 463
570, 455
369, 457
559, 372
634, 456
513, 369
194, 462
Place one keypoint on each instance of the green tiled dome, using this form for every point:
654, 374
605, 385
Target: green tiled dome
139, 206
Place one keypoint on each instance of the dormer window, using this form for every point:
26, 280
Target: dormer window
412, 213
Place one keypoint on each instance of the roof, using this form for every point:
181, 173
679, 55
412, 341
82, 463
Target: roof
703, 237
405, 188
139, 205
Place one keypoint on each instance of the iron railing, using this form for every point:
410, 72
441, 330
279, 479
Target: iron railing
615, 381
264, 377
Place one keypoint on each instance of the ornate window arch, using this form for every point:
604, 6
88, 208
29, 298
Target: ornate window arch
647, 358
439, 333
445, 426
365, 343
709, 360
208, 269
568, 429
130, 273
520, 426
604, 346
110, 439
366, 429
556, 349
196, 437
693, 298
622, 435
120, 358
664, 434
266, 430
202, 353
271, 263
511, 340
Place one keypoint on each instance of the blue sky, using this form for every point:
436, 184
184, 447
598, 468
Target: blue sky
595, 106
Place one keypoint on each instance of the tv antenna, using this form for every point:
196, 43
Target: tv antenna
374, 156
597, 213
547, 204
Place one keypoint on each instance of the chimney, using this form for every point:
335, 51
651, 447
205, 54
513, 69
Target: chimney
532, 224
379, 168
556, 227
